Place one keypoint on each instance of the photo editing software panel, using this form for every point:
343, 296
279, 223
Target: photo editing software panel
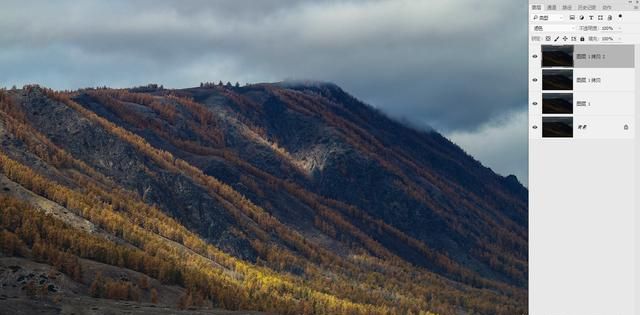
584, 87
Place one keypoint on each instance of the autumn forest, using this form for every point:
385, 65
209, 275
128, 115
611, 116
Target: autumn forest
274, 198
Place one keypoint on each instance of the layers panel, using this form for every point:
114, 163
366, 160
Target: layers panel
583, 96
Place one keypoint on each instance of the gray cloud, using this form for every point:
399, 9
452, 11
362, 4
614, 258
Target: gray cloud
451, 65
500, 143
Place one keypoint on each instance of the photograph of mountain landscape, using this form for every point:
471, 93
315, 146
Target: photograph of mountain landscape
557, 103
557, 79
353, 192
557, 127
557, 56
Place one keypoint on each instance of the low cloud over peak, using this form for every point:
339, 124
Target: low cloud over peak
451, 65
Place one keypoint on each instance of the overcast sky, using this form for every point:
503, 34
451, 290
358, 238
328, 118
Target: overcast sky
457, 66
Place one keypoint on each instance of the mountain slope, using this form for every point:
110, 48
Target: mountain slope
287, 197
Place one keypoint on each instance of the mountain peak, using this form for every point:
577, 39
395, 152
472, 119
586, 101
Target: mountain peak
279, 200
301, 83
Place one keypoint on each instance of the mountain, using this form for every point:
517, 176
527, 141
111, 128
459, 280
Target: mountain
287, 198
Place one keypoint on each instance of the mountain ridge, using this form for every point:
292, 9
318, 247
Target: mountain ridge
297, 180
